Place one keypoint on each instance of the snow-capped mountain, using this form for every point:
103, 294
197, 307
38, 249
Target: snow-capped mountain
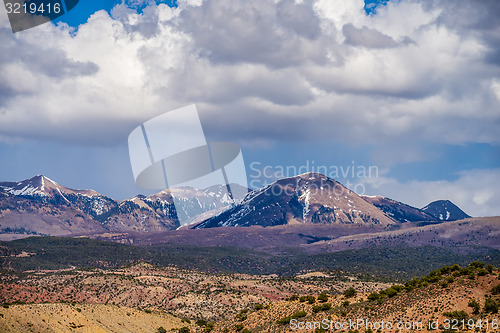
399, 211
445, 210
41, 206
307, 198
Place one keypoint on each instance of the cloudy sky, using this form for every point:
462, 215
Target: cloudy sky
411, 87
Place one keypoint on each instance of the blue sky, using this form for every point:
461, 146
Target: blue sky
408, 86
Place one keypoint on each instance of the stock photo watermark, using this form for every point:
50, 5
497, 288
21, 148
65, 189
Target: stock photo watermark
352, 176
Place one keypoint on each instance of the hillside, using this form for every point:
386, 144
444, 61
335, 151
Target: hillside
91, 318
141, 298
437, 299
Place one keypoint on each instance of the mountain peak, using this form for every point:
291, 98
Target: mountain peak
445, 210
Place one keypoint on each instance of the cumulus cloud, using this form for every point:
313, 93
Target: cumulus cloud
474, 191
366, 37
260, 70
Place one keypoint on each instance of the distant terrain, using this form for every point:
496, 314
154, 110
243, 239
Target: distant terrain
40, 206
303, 249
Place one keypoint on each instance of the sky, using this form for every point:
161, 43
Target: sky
409, 88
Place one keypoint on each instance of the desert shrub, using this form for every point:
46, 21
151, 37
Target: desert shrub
322, 307
412, 284
391, 292
209, 327
374, 296
496, 290
476, 264
258, 307
201, 322
345, 304
161, 329
459, 315
238, 327
184, 330
433, 277
351, 292
323, 297
309, 299
474, 305
283, 321
242, 316
246, 331
299, 314
293, 298
490, 306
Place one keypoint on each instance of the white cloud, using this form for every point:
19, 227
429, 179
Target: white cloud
259, 70
476, 191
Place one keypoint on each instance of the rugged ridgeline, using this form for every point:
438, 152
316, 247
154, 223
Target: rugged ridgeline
400, 211
40, 206
314, 198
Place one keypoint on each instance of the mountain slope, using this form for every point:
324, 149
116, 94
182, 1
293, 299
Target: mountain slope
40, 206
398, 210
445, 210
307, 198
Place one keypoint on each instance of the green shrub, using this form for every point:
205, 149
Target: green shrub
482, 272
489, 268
476, 264
184, 330
322, 307
284, 321
345, 304
349, 293
490, 306
474, 305
496, 290
161, 329
459, 315
323, 297
258, 307
299, 314
374, 296
391, 292
293, 298
201, 322
209, 327
238, 327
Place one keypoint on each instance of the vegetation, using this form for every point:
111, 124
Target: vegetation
459, 315
491, 306
323, 297
475, 306
377, 263
496, 290
349, 293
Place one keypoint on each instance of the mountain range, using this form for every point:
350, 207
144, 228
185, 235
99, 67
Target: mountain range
40, 206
